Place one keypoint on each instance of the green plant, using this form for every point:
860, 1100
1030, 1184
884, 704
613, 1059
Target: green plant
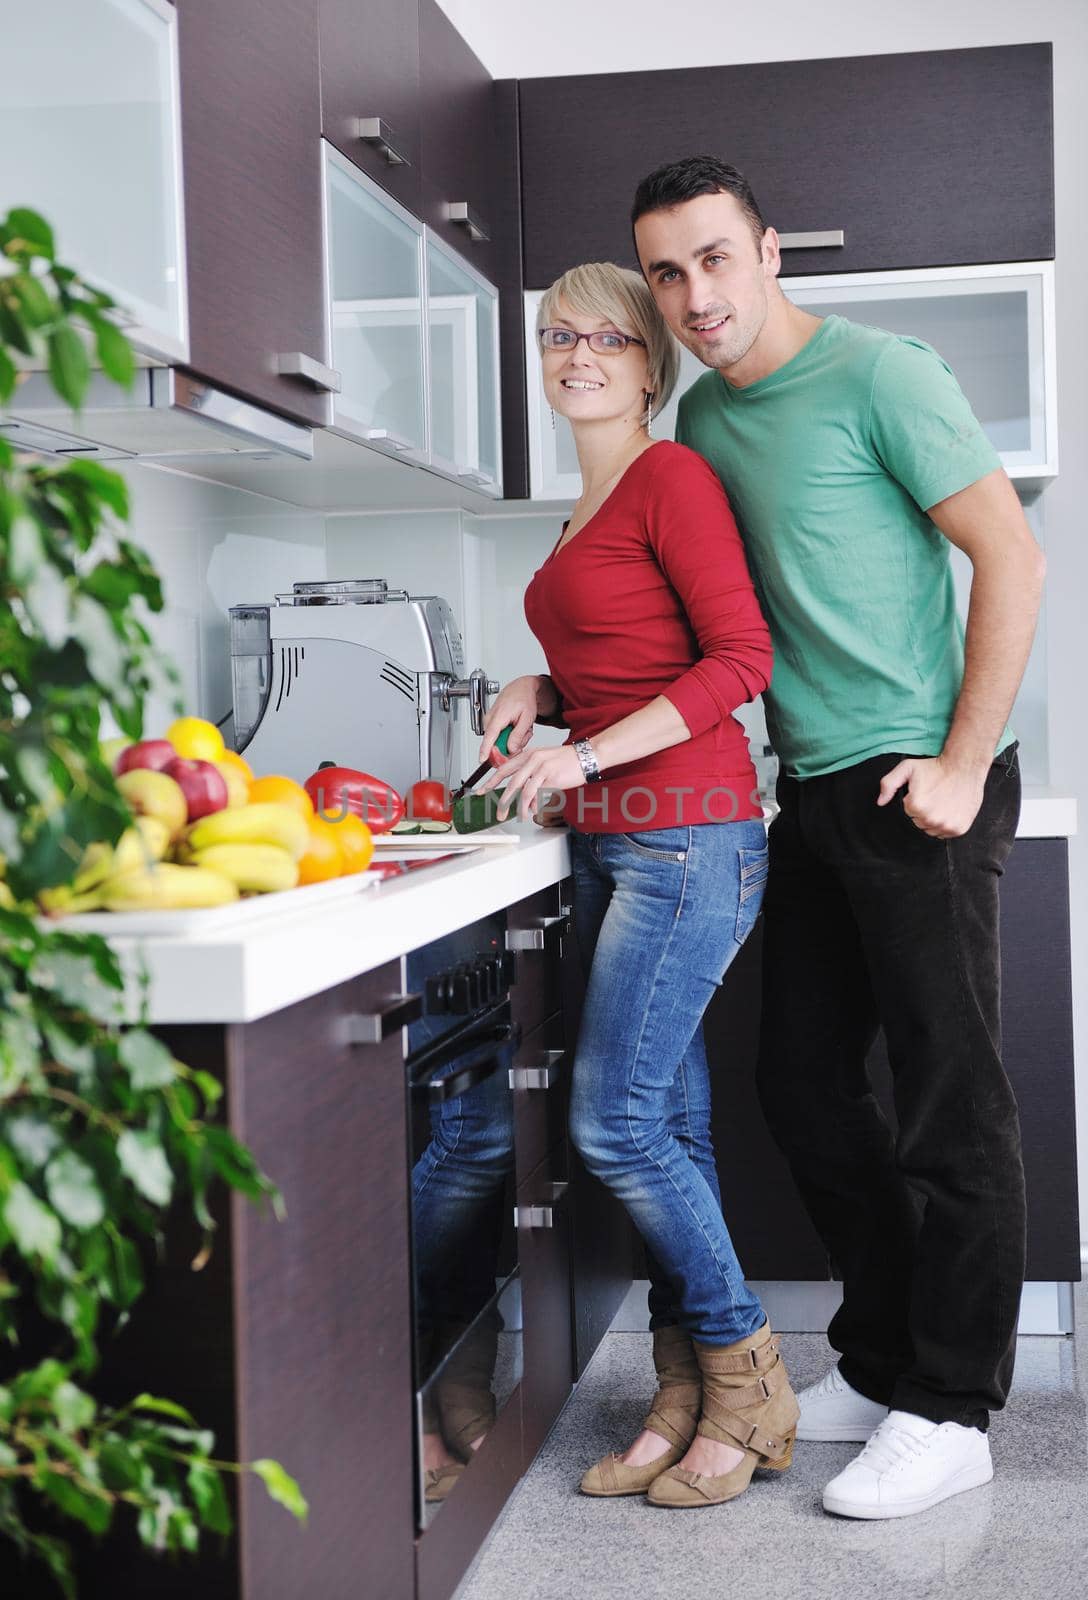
101, 1129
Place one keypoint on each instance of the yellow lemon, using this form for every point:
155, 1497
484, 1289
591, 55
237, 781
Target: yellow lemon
196, 740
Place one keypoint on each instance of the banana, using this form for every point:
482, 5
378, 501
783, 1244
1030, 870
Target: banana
166, 887
255, 868
139, 846
264, 822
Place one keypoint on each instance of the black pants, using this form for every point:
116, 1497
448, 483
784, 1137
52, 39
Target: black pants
870, 923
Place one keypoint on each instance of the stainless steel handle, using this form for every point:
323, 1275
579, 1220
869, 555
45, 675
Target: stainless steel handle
540, 937
385, 436
371, 1027
372, 130
545, 1075
542, 1214
296, 364
832, 239
475, 689
461, 212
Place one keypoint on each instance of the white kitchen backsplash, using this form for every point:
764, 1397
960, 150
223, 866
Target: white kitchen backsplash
214, 547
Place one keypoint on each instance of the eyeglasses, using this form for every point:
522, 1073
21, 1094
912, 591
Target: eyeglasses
605, 342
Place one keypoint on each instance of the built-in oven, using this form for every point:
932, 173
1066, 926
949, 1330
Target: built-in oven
465, 1288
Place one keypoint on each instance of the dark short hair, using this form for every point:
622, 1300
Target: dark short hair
684, 180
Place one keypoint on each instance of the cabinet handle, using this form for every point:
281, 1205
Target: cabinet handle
545, 1075
484, 479
384, 436
371, 1027
541, 1215
538, 938
834, 238
461, 212
372, 130
298, 365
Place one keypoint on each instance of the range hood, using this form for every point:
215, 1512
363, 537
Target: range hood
166, 413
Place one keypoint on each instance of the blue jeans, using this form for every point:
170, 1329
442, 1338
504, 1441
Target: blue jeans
659, 916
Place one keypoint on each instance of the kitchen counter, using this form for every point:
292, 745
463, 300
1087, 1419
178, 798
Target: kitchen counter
237, 975
242, 973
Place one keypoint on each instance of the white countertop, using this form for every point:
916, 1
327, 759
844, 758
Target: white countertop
238, 974
241, 973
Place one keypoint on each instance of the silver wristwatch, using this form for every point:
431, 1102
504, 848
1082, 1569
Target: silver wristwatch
587, 760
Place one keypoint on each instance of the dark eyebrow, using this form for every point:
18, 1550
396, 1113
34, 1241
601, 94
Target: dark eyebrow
701, 250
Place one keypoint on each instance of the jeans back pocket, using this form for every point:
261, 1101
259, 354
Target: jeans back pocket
753, 881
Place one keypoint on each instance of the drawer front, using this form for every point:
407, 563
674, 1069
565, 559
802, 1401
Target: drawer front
536, 929
541, 1080
545, 1259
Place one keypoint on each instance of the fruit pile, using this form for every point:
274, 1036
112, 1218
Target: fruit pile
206, 831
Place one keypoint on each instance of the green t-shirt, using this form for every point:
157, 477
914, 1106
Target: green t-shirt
830, 464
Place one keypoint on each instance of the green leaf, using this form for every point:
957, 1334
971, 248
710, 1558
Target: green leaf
210, 1087
32, 1137
150, 1064
164, 1408
75, 981
32, 1225
93, 626
25, 549
106, 484
40, 1382
24, 223
94, 1511
209, 1497
124, 1276
13, 332
34, 302
114, 352
73, 1189
281, 1488
8, 375
144, 1162
47, 599
67, 1050
69, 365
8, 1458
74, 1408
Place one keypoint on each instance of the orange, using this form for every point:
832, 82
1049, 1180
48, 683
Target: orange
196, 740
283, 791
322, 858
356, 843
233, 759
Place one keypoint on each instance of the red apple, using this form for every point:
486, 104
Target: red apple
204, 787
149, 755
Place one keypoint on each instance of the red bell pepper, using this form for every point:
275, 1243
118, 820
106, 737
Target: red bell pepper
338, 790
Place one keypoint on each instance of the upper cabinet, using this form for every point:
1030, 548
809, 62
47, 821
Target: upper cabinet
457, 143
937, 158
370, 92
252, 148
90, 137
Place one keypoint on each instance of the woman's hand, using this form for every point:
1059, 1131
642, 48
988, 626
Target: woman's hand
517, 703
524, 776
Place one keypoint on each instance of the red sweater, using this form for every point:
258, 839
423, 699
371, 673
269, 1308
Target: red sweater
653, 597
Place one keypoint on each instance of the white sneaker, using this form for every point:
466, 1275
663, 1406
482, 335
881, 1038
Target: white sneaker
831, 1411
909, 1465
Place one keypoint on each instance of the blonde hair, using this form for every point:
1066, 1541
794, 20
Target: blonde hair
618, 295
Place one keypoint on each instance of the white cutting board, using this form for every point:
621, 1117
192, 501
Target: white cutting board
445, 841
185, 923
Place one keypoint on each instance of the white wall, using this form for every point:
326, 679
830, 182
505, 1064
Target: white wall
214, 547
532, 40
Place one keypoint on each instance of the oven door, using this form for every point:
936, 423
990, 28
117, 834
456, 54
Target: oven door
466, 1299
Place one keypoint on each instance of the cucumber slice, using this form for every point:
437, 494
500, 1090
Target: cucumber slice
432, 825
405, 826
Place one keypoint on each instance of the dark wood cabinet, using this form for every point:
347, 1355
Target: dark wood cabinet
544, 1259
250, 123
370, 72
459, 159
933, 158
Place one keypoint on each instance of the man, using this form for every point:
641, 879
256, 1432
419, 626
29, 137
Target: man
853, 461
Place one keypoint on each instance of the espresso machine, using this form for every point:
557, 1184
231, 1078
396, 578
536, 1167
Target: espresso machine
355, 673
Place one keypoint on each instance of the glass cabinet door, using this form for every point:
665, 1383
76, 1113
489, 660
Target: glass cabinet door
374, 265
463, 369
90, 138
993, 325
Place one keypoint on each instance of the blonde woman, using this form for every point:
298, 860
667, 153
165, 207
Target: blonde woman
653, 636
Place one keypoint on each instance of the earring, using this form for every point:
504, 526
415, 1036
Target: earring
552, 409
649, 411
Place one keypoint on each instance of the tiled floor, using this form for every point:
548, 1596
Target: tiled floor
1024, 1536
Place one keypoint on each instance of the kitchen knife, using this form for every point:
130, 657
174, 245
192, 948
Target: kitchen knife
501, 746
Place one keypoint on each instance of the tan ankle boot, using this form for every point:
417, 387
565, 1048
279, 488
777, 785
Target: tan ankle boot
674, 1415
747, 1403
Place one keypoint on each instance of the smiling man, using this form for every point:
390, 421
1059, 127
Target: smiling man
853, 462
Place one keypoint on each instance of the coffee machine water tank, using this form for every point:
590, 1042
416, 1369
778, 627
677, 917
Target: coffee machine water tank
250, 668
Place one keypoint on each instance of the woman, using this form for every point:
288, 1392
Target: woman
653, 636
